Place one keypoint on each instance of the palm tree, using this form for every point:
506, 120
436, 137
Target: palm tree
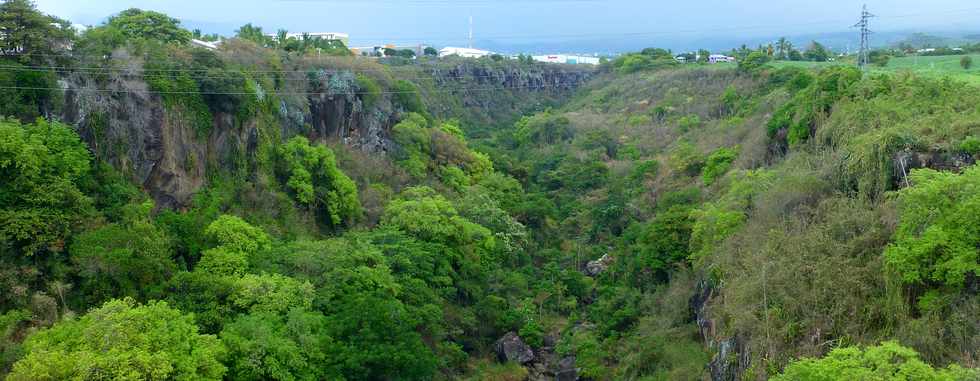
783, 46
281, 36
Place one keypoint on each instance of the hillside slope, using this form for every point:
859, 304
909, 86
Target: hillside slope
754, 217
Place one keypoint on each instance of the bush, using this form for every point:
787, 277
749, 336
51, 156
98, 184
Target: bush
970, 145
687, 123
123, 340
311, 173
42, 166
407, 96
888, 361
799, 116
937, 239
369, 90
966, 62
754, 62
718, 164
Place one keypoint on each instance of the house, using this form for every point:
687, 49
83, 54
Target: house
205, 44
329, 36
463, 52
567, 59
719, 58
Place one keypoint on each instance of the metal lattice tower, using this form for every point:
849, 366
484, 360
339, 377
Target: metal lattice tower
865, 25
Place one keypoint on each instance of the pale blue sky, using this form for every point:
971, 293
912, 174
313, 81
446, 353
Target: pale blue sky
519, 23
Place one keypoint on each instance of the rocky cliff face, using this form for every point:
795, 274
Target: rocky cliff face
486, 93
128, 126
732, 356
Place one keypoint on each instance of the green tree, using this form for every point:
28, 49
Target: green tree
30, 34
888, 361
252, 33
268, 346
407, 95
369, 90
123, 259
966, 62
431, 52
42, 165
149, 25
702, 56
234, 234
272, 293
312, 175
753, 62
936, 242
24, 92
783, 47
375, 330
656, 247
208, 296
718, 164
425, 214
816, 52
879, 58
122, 341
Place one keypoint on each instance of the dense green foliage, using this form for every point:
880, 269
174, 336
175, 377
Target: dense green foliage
122, 341
148, 25
666, 222
888, 361
40, 200
311, 173
936, 242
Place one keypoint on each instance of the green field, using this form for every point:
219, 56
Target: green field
927, 65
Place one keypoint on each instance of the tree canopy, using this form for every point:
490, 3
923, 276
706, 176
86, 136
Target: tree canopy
149, 25
123, 340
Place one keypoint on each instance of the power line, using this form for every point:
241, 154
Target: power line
101, 90
131, 73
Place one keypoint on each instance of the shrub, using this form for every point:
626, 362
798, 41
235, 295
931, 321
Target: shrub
800, 115
407, 96
42, 165
312, 174
123, 340
888, 361
970, 145
689, 122
937, 239
718, 164
966, 62
369, 90
754, 62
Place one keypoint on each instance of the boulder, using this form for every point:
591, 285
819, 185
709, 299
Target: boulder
598, 266
567, 370
512, 348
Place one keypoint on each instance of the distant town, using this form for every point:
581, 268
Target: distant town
422, 50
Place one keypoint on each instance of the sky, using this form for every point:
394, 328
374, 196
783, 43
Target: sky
602, 26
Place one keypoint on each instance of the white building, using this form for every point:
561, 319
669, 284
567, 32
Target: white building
718, 58
463, 52
567, 59
205, 44
330, 36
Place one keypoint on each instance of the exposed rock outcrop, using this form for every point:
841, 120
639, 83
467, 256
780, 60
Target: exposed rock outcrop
906, 160
512, 348
598, 266
566, 369
161, 149
732, 357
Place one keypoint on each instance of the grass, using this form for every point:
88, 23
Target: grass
936, 66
